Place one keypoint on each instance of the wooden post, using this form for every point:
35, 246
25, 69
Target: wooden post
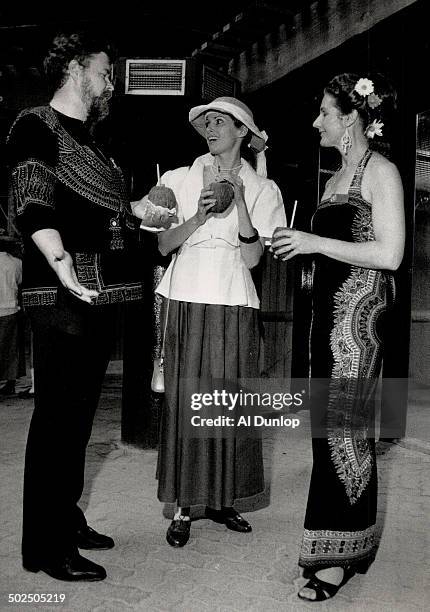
141, 408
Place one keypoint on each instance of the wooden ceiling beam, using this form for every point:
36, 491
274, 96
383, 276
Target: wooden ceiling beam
311, 34
225, 37
246, 28
220, 58
221, 49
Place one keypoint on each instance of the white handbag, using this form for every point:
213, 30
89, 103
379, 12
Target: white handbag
157, 380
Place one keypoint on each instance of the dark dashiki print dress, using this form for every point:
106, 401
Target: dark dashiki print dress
348, 303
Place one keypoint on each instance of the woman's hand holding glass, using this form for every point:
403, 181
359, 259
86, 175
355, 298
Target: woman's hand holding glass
288, 242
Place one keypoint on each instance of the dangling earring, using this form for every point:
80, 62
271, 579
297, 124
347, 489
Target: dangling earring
346, 142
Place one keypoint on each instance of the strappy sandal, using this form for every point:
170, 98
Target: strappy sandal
325, 590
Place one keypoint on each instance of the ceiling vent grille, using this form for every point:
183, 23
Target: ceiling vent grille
216, 84
155, 77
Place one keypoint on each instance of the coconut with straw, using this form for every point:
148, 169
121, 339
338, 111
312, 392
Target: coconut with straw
160, 195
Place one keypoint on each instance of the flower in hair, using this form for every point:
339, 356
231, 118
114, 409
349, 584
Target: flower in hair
374, 100
374, 129
364, 87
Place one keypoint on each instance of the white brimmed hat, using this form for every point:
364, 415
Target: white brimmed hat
233, 107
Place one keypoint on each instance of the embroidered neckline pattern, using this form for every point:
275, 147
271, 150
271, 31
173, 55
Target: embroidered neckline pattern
355, 186
82, 170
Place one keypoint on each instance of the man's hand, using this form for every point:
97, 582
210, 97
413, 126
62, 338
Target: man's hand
62, 265
153, 215
48, 241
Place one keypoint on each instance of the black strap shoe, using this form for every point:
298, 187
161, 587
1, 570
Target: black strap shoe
88, 539
178, 533
230, 518
324, 590
71, 569
237, 523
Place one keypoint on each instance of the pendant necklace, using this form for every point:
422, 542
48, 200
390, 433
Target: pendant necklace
117, 240
335, 182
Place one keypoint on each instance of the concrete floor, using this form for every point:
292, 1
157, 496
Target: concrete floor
218, 570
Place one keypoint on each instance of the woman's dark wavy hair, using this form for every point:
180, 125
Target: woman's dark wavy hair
66, 47
341, 88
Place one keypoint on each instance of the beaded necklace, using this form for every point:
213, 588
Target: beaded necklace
221, 174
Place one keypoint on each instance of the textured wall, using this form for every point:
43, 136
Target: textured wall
419, 368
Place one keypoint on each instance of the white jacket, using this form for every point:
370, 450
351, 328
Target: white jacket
209, 268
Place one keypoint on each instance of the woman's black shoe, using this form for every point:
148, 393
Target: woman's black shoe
178, 533
325, 590
230, 518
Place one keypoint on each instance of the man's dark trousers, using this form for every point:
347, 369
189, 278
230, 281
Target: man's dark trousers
71, 354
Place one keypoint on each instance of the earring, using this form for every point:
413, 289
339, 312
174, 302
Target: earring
346, 142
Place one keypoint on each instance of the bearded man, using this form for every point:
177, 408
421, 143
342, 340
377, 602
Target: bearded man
81, 259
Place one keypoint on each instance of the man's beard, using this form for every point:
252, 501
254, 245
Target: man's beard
97, 106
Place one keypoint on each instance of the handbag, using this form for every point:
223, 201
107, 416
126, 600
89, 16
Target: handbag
157, 380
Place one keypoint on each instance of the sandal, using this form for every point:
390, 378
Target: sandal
325, 590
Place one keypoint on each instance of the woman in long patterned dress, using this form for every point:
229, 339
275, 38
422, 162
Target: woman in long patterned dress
358, 240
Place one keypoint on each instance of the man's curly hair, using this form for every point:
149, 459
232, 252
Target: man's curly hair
79, 46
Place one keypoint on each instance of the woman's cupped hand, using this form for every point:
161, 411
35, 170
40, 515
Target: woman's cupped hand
204, 205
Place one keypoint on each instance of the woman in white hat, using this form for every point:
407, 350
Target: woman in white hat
212, 337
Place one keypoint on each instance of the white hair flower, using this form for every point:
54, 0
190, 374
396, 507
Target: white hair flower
364, 87
374, 129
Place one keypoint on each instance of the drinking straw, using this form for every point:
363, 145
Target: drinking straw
158, 174
294, 213
269, 242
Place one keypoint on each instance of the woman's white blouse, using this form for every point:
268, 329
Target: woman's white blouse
209, 268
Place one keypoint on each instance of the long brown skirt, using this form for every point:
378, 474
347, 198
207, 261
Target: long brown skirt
207, 347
